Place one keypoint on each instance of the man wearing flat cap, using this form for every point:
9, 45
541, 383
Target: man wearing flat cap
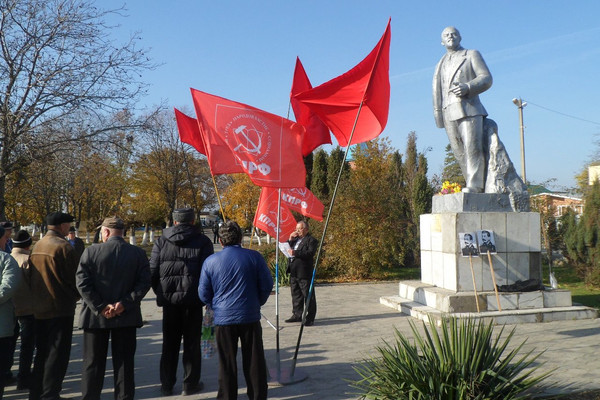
76, 242
113, 277
53, 263
175, 264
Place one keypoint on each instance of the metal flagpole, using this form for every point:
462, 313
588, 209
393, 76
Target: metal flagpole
310, 290
218, 196
254, 227
277, 285
283, 377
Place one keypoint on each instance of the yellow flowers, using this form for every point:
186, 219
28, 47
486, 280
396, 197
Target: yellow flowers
450, 187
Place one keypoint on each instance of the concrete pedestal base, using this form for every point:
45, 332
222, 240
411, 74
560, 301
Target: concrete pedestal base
517, 242
449, 281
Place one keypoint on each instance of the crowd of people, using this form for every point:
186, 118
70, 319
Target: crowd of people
41, 284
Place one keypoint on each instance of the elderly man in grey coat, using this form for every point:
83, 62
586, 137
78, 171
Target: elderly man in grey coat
113, 278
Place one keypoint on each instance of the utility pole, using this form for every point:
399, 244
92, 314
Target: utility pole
520, 104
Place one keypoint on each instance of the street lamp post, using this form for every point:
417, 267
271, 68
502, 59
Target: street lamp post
520, 104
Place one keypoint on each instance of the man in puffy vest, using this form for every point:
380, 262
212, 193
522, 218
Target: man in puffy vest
175, 266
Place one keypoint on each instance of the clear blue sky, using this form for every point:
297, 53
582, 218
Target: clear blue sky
546, 52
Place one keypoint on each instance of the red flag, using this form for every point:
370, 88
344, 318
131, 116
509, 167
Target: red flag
317, 132
267, 146
266, 216
189, 131
301, 200
337, 101
220, 158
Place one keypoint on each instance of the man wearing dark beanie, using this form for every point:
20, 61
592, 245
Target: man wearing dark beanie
24, 309
53, 263
175, 265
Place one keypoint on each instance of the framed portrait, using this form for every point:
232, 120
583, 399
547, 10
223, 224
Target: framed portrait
487, 242
468, 244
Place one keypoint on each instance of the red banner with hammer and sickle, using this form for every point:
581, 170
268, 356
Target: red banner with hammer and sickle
266, 146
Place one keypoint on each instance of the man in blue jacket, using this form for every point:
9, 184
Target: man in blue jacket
236, 282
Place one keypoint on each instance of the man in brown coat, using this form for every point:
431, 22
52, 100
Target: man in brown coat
53, 264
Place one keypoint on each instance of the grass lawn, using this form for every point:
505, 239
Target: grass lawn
567, 279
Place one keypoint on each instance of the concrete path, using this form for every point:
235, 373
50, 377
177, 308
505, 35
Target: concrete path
350, 323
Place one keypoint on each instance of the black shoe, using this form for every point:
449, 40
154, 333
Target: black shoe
309, 323
192, 389
166, 391
22, 385
294, 318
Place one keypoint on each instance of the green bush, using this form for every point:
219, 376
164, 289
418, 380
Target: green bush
284, 278
460, 361
268, 253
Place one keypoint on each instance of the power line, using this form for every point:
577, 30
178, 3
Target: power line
563, 114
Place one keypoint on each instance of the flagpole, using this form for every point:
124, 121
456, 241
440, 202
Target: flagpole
277, 285
253, 226
218, 196
333, 196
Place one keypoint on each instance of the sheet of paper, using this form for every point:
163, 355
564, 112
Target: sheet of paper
285, 249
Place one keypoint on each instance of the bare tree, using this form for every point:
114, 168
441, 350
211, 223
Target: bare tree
59, 67
170, 170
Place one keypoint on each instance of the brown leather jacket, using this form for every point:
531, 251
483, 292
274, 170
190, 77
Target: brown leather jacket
53, 264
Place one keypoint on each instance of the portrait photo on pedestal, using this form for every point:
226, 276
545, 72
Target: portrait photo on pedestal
487, 242
468, 244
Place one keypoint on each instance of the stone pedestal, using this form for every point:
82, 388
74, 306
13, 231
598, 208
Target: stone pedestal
446, 285
517, 242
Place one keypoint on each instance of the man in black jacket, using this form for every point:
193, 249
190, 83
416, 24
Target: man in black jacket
304, 247
112, 278
175, 265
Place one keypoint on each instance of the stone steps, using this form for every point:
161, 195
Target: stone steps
430, 303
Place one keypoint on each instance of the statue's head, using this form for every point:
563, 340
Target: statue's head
451, 38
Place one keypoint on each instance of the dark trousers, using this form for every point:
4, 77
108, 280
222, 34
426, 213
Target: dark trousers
95, 349
181, 322
27, 333
7, 375
253, 360
299, 288
5, 359
53, 343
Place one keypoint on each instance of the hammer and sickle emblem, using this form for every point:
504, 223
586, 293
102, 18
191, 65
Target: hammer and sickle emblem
302, 192
250, 146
